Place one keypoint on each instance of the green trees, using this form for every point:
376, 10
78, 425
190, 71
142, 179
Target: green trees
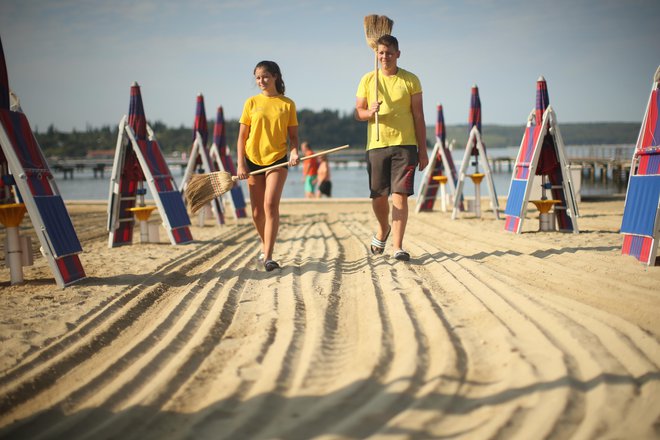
325, 129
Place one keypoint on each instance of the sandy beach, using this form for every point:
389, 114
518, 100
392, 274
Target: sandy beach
483, 334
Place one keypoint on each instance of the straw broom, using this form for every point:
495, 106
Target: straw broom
202, 188
375, 26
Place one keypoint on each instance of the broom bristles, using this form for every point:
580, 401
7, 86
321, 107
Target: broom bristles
375, 26
202, 188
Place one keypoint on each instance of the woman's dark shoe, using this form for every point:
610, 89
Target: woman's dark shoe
271, 265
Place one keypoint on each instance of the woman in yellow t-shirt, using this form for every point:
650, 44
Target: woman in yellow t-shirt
268, 130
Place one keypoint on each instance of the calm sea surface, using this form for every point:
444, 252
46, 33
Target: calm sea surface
350, 181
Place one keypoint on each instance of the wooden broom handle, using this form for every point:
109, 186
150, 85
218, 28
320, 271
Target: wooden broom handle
376, 94
311, 156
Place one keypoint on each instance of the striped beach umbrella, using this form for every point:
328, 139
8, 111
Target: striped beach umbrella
474, 118
542, 99
440, 132
136, 118
219, 136
132, 171
200, 124
4, 81
548, 162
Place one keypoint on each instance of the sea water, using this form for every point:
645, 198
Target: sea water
350, 180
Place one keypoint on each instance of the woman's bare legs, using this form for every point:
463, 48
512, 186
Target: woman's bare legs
265, 195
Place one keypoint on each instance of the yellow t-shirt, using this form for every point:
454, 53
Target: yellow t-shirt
395, 119
269, 119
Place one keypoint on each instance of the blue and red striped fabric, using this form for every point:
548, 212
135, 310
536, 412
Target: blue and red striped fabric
643, 196
441, 135
474, 118
70, 268
29, 154
638, 224
200, 124
220, 141
182, 235
132, 173
650, 135
440, 132
637, 246
514, 204
55, 219
157, 165
4, 81
511, 223
542, 99
136, 118
219, 137
649, 162
432, 185
523, 162
56, 227
547, 164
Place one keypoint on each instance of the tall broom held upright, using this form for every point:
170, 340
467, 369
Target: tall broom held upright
375, 26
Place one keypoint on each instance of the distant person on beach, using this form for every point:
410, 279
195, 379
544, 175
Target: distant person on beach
310, 170
268, 131
325, 185
401, 143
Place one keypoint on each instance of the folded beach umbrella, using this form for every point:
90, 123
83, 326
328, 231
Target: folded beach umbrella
474, 118
200, 127
136, 118
200, 124
4, 81
220, 135
441, 163
139, 159
641, 216
542, 154
223, 161
200, 161
447, 160
440, 130
542, 99
26, 173
548, 162
475, 147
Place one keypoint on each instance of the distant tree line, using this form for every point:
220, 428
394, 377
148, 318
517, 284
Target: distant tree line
325, 129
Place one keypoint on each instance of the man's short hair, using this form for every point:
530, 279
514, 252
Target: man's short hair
389, 41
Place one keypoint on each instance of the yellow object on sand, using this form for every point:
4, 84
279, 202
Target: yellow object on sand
476, 177
142, 212
12, 214
544, 206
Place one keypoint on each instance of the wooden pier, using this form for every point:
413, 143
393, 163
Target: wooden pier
605, 163
593, 168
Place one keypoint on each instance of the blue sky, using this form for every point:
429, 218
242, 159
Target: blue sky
72, 62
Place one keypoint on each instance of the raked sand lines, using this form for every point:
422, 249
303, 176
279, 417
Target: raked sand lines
471, 339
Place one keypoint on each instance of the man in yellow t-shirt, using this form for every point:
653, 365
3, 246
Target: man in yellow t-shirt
400, 145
